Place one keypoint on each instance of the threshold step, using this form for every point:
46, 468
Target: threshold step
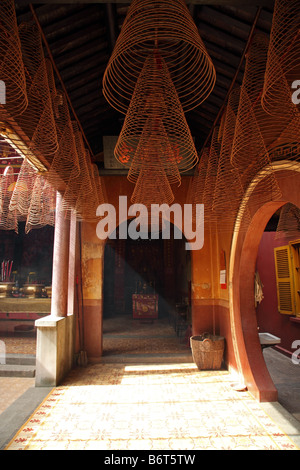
24, 359
17, 370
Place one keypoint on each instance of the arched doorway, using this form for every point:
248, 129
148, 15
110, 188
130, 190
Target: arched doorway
248, 355
146, 295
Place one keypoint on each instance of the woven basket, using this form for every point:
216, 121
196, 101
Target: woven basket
207, 351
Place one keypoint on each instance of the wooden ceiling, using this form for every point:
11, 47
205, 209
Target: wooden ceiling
80, 36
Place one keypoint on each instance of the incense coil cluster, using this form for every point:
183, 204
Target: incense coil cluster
26, 198
158, 70
12, 71
45, 123
168, 26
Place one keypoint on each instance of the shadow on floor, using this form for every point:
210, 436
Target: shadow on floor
286, 378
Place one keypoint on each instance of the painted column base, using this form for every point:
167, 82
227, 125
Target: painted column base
54, 351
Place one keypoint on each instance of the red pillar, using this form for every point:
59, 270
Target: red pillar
60, 273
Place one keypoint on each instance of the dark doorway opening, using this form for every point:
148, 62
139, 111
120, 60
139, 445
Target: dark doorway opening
135, 272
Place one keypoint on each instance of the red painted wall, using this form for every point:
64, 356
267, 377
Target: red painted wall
268, 318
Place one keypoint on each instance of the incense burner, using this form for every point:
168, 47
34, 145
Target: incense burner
6, 289
32, 291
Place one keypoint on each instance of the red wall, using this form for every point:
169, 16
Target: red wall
268, 318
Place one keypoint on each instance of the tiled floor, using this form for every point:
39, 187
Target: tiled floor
149, 407
135, 403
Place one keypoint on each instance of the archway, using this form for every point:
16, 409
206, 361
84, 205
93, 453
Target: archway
146, 292
249, 359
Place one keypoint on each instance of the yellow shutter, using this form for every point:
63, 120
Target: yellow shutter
295, 252
284, 280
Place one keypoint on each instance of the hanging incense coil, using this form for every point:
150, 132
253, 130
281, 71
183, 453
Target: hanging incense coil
37, 122
155, 112
78, 183
211, 176
8, 219
289, 221
85, 204
152, 187
168, 25
154, 150
65, 164
42, 206
228, 189
22, 192
12, 71
283, 64
196, 187
254, 131
281, 79
100, 186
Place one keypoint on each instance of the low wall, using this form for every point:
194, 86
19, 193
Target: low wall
54, 350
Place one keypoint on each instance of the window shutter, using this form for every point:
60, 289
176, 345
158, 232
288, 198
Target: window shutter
284, 280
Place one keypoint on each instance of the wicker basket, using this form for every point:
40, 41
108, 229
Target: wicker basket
207, 351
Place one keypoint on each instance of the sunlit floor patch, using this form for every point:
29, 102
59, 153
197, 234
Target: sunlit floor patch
149, 407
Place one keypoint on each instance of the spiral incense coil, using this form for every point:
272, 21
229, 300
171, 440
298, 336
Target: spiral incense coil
211, 174
65, 163
228, 190
283, 64
152, 185
289, 221
254, 131
88, 201
167, 25
37, 121
42, 205
23, 188
85, 202
100, 186
196, 187
282, 79
8, 219
155, 112
152, 188
12, 71
154, 153
77, 182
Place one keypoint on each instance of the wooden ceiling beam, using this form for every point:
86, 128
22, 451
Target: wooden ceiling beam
262, 3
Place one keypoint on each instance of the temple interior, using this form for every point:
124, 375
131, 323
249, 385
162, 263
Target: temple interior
149, 190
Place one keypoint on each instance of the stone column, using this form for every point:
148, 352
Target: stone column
60, 273
55, 339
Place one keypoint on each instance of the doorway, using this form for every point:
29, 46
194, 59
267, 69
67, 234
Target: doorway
146, 295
